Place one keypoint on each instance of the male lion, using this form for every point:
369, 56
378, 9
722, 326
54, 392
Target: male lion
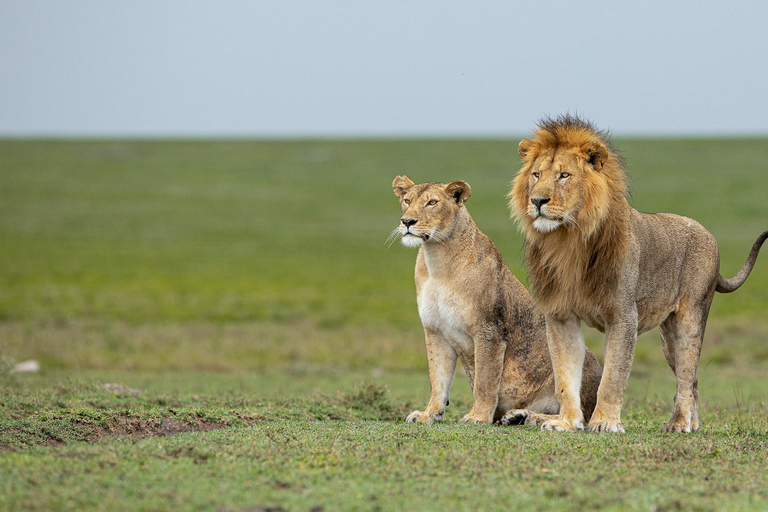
472, 307
592, 257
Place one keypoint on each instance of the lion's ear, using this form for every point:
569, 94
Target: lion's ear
459, 191
596, 154
402, 185
524, 148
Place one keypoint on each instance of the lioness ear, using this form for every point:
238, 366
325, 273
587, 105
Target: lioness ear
596, 154
402, 185
459, 191
524, 148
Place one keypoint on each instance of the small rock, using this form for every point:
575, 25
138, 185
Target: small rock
30, 366
120, 389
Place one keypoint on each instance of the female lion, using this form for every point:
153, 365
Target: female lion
473, 308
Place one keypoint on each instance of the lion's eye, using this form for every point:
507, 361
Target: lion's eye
432, 202
537, 174
407, 201
565, 175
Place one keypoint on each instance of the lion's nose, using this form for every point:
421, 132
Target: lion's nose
407, 222
540, 201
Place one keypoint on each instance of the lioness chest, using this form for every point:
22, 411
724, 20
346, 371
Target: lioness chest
445, 311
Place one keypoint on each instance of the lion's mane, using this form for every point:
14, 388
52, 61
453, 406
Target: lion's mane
581, 260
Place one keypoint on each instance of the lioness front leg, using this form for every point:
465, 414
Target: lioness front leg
620, 340
567, 350
489, 364
441, 357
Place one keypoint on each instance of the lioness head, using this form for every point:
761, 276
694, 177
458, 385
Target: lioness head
429, 209
569, 178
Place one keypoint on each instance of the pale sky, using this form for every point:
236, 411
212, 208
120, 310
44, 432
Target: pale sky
380, 68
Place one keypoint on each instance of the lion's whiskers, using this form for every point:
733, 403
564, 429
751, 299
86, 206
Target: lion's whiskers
570, 220
438, 237
392, 237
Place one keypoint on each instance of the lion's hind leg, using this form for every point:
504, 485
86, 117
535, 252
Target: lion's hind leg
525, 417
541, 407
682, 336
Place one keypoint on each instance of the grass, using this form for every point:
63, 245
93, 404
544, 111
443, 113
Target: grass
167, 447
401, 469
247, 249
245, 290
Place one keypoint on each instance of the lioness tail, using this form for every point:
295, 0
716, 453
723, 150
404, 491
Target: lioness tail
729, 285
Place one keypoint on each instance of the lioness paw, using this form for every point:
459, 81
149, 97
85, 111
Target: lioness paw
423, 417
515, 417
473, 417
562, 425
526, 417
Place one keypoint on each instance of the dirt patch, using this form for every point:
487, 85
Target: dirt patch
142, 428
61, 432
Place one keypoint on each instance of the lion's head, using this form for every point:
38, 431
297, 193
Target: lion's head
570, 200
571, 178
429, 209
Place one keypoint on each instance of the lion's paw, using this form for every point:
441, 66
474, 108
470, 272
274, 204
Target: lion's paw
606, 425
679, 426
423, 417
473, 417
562, 425
514, 417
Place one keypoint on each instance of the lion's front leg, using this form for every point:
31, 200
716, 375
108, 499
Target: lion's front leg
489, 365
567, 350
620, 340
441, 357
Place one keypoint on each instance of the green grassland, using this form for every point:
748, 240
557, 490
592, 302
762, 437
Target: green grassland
246, 290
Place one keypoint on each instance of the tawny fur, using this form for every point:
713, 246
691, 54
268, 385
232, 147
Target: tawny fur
474, 309
594, 258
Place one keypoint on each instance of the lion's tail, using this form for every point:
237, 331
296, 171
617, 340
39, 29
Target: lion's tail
730, 285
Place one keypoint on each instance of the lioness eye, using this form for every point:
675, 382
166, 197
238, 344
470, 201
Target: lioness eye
536, 174
407, 201
565, 175
432, 202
